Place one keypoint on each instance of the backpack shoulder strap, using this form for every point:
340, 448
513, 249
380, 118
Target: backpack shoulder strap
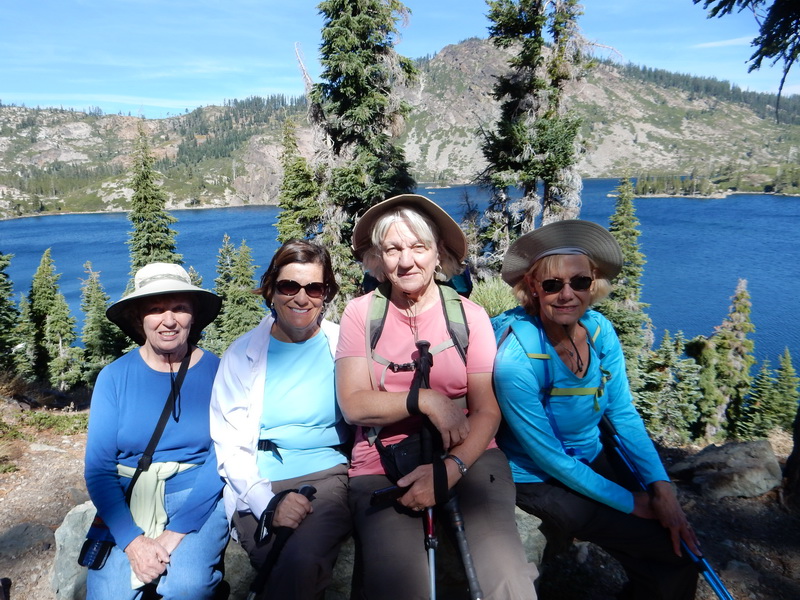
456, 319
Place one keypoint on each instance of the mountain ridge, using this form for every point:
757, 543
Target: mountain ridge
56, 160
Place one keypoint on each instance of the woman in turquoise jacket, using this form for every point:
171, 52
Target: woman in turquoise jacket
558, 370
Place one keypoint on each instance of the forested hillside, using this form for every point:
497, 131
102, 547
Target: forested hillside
635, 121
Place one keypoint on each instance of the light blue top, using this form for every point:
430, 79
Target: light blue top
126, 404
300, 414
527, 437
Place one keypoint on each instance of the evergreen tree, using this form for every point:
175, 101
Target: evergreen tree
752, 419
241, 309
712, 402
360, 115
300, 209
152, 239
42, 301
9, 316
535, 139
64, 367
787, 396
102, 340
25, 336
624, 307
726, 359
669, 392
736, 351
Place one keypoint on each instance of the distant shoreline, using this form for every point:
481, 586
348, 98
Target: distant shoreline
716, 196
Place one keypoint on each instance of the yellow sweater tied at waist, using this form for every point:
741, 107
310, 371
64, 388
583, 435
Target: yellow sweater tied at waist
147, 499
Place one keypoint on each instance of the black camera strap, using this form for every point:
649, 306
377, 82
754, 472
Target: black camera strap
147, 457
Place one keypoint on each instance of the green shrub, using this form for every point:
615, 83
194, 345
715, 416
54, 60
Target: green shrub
64, 423
494, 295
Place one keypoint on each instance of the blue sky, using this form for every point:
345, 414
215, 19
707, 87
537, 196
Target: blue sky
156, 58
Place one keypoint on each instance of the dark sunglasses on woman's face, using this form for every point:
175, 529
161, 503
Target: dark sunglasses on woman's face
578, 284
287, 287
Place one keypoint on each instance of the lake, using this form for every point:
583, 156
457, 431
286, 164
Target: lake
696, 251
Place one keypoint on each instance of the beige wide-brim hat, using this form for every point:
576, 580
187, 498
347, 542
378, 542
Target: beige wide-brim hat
563, 237
157, 279
449, 231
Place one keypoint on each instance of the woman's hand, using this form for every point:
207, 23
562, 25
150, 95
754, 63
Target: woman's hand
420, 482
663, 505
669, 513
448, 418
169, 540
148, 558
291, 511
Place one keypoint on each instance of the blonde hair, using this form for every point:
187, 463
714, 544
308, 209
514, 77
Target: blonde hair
426, 232
601, 286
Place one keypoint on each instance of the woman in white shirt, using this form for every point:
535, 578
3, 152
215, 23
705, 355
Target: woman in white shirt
276, 427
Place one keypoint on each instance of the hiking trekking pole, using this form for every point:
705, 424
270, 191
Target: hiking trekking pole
708, 572
457, 521
421, 379
282, 535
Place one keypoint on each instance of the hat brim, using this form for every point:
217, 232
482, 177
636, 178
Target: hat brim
450, 232
207, 306
592, 239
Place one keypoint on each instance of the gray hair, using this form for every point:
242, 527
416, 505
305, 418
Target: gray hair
422, 227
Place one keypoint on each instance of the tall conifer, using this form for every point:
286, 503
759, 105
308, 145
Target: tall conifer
624, 307
535, 140
102, 340
298, 197
787, 395
9, 316
361, 115
151, 239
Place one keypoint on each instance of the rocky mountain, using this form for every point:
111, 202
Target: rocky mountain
61, 160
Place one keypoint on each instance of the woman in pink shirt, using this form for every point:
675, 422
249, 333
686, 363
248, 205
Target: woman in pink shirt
407, 243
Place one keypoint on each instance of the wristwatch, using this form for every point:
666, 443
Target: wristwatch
462, 468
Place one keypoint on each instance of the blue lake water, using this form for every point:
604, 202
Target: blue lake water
696, 252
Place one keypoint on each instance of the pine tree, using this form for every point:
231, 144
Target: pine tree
736, 352
535, 139
624, 307
152, 239
102, 340
243, 309
42, 300
787, 396
726, 359
752, 419
669, 392
9, 316
712, 402
25, 336
361, 117
64, 367
298, 197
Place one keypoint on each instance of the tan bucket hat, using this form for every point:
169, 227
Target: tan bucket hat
571, 236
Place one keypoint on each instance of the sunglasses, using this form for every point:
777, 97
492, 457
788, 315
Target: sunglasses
578, 284
288, 287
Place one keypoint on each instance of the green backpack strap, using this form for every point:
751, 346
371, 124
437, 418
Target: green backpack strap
455, 318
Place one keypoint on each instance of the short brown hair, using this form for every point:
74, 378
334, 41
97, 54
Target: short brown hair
298, 251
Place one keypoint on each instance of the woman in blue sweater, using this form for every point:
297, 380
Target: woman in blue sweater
558, 370
174, 530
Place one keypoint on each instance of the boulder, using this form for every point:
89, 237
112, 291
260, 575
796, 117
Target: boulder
740, 469
69, 578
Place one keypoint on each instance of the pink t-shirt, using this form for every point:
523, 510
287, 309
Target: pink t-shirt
396, 344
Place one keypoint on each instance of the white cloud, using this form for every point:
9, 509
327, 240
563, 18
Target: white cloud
740, 41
